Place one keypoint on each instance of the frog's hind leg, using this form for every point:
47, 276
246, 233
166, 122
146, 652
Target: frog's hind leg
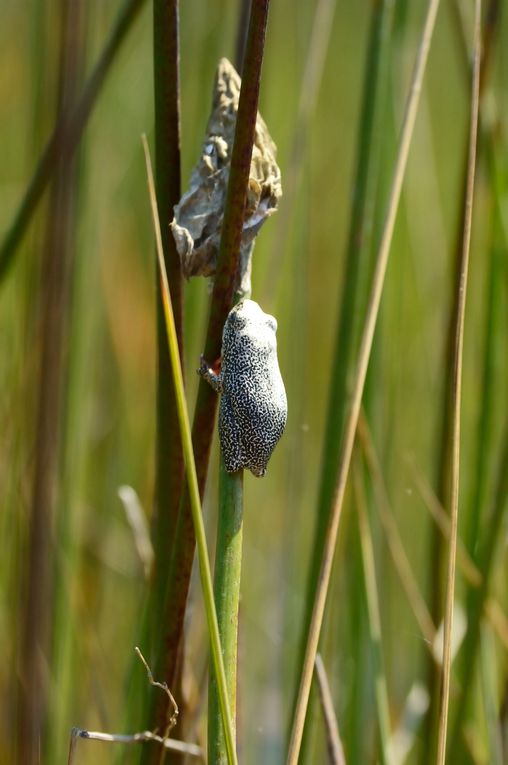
229, 434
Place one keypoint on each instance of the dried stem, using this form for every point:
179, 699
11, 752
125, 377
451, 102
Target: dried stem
335, 748
192, 750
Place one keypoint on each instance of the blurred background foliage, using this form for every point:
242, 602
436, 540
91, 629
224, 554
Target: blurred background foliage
106, 426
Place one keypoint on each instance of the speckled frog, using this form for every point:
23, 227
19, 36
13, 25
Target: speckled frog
253, 406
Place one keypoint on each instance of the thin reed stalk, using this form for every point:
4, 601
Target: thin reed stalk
358, 263
461, 287
169, 467
436, 568
478, 598
222, 298
334, 743
169, 458
359, 382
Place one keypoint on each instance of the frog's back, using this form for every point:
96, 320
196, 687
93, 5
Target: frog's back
253, 407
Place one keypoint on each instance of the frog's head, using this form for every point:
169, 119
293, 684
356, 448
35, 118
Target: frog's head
248, 319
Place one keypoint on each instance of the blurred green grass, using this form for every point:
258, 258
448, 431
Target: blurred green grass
110, 401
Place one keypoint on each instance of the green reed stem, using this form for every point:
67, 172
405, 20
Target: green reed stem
228, 565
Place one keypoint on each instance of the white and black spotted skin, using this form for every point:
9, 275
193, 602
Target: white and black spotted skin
253, 406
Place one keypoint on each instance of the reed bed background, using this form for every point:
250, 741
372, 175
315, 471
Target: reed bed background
79, 381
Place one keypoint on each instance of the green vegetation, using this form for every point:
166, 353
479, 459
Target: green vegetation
88, 403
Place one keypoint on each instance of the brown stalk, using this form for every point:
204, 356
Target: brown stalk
335, 748
169, 463
222, 299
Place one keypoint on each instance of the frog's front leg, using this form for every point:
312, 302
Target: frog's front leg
208, 373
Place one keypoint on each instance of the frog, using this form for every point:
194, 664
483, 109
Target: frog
253, 404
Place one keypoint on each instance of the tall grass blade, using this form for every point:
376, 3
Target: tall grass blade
169, 464
359, 254
335, 748
489, 671
359, 382
478, 598
169, 459
436, 568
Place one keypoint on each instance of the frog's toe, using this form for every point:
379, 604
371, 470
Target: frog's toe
258, 470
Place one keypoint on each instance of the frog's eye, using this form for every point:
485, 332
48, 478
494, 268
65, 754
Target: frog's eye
271, 322
236, 320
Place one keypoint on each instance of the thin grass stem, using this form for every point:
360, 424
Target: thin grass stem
190, 468
359, 383
478, 601
169, 471
171, 744
359, 255
444, 472
334, 743
457, 391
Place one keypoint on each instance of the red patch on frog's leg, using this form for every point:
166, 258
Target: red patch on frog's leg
216, 366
